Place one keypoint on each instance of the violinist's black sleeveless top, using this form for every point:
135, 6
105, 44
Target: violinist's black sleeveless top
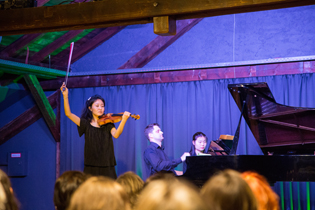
99, 147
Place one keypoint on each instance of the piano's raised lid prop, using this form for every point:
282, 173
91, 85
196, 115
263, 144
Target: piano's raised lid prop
278, 129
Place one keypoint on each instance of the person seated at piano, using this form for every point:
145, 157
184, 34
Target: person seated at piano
154, 156
198, 146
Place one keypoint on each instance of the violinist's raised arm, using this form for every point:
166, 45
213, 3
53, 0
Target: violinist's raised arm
99, 158
74, 118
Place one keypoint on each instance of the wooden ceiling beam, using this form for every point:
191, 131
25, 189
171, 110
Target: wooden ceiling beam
10, 50
43, 105
62, 57
107, 13
9, 79
43, 2
39, 56
85, 45
183, 75
45, 65
21, 69
11, 97
28, 118
160, 43
25, 40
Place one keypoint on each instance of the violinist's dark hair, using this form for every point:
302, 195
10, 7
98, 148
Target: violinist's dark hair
149, 129
65, 186
11, 203
192, 151
86, 112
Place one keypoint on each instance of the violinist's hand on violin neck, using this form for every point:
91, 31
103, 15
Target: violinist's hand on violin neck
108, 114
126, 115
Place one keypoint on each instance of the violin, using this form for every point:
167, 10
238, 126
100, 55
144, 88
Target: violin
114, 118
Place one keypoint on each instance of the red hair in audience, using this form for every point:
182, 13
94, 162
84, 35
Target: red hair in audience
266, 197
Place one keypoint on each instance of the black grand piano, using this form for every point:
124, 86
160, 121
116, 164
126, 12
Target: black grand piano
286, 136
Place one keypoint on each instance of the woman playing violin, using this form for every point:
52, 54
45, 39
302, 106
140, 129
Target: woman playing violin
99, 158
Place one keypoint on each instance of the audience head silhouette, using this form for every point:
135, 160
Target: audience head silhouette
65, 186
7, 198
266, 197
132, 184
169, 194
101, 193
228, 191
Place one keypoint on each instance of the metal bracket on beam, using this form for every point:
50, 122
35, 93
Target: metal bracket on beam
164, 25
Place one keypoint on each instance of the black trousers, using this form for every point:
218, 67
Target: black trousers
108, 171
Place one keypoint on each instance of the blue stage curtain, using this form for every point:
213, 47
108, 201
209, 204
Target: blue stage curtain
181, 109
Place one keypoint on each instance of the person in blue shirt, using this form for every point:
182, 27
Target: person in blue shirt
154, 156
198, 146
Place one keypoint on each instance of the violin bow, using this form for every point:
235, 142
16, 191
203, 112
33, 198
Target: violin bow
69, 63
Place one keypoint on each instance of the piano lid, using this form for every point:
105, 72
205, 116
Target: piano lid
277, 128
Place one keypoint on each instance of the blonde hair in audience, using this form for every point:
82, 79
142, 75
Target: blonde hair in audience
132, 184
10, 202
3, 198
266, 197
228, 191
161, 175
169, 194
99, 193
